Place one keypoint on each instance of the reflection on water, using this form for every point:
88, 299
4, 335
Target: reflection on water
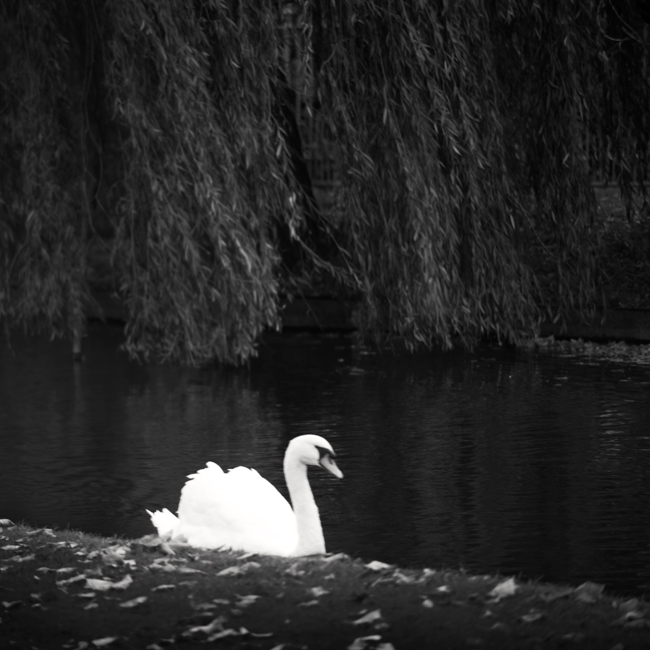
489, 461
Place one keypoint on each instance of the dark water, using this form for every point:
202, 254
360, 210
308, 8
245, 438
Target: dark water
491, 461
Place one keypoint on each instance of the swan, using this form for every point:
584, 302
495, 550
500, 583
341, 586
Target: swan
241, 511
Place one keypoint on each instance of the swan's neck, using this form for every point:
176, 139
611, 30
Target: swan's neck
310, 532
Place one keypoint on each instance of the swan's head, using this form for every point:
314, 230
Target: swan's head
313, 450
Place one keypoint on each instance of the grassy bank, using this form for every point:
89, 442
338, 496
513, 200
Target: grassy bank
64, 589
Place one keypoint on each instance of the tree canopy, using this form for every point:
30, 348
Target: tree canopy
166, 143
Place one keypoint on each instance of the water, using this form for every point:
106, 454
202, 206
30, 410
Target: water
493, 461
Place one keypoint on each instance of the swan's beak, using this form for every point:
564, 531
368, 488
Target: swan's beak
328, 463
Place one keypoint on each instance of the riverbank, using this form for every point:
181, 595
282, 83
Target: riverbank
65, 589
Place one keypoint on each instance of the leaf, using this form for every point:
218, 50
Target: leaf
6, 523
63, 570
150, 541
632, 618
102, 643
100, 584
318, 591
555, 593
362, 642
589, 592
532, 616
370, 617
398, 576
334, 558
629, 605
22, 558
134, 602
167, 587
11, 604
504, 589
238, 570
245, 556
376, 565
70, 581
226, 633
245, 601
293, 570
212, 626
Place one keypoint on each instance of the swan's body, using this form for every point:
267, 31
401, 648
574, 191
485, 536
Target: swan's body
240, 510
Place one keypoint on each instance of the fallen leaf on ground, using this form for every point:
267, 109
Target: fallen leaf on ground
239, 569
245, 601
629, 605
588, 592
632, 618
163, 564
504, 589
294, 570
309, 603
215, 625
11, 604
555, 593
398, 576
164, 588
100, 584
242, 631
318, 591
102, 643
370, 617
376, 565
61, 571
134, 602
532, 616
363, 642
69, 581
333, 558
22, 558
203, 607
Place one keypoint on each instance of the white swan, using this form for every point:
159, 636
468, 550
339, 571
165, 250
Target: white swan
240, 510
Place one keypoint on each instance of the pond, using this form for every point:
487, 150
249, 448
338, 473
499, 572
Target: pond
494, 460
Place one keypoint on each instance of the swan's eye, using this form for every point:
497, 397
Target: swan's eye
325, 453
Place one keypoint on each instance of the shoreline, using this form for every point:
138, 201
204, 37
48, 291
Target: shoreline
65, 589
328, 314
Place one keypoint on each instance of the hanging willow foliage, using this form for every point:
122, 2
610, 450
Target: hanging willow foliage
42, 258
168, 134
202, 179
433, 210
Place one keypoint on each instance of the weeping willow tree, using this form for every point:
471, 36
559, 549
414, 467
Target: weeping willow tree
165, 139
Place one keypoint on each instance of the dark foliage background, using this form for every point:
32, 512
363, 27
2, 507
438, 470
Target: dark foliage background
160, 150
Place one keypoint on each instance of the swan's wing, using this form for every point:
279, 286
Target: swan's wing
239, 510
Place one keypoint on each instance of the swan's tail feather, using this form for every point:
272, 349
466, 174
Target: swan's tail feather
164, 521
